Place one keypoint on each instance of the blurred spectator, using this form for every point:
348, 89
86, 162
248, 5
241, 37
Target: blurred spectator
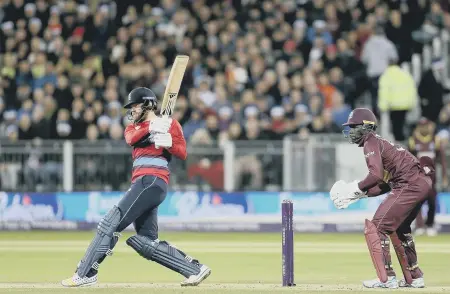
207, 169
340, 110
212, 126
258, 70
431, 90
248, 167
25, 131
92, 133
196, 122
116, 132
377, 53
225, 115
329, 125
266, 54
327, 90
400, 35
397, 95
12, 133
103, 123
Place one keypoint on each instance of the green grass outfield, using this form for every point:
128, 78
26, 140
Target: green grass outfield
35, 262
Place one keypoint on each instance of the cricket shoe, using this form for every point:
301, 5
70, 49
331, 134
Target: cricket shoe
76, 281
419, 232
416, 283
195, 280
391, 283
431, 232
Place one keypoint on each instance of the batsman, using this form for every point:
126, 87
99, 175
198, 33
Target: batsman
392, 170
154, 140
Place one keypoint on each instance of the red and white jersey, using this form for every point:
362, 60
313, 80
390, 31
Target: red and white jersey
149, 160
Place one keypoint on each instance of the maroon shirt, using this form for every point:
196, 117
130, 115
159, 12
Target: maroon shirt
387, 162
430, 146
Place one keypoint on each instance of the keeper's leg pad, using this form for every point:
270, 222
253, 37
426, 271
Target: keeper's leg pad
376, 252
402, 258
411, 254
102, 242
163, 253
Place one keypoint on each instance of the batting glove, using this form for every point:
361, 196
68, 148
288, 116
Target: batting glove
162, 140
160, 125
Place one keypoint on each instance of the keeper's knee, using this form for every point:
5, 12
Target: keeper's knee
383, 226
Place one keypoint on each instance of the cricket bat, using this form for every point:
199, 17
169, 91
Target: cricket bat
174, 84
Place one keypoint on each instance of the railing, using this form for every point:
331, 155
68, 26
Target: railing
288, 165
93, 166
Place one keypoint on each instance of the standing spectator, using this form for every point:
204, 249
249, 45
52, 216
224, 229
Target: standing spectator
397, 94
399, 35
377, 53
432, 90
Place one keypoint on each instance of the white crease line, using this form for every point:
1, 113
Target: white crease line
26, 243
124, 249
224, 286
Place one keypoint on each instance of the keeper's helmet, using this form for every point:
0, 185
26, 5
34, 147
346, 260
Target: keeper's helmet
146, 98
360, 121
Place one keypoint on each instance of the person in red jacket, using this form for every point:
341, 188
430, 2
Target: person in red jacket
154, 140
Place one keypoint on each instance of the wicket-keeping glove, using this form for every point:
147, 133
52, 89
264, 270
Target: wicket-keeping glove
356, 193
343, 194
338, 190
353, 195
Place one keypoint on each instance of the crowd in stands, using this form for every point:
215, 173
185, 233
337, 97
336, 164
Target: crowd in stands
258, 69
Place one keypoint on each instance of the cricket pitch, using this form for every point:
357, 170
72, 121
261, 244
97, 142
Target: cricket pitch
240, 263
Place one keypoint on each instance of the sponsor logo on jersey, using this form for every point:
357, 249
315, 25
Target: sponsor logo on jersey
369, 154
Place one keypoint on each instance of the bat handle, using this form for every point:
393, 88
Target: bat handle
164, 113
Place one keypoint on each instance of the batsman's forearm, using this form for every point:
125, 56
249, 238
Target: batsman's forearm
135, 138
178, 151
132, 136
146, 141
178, 148
369, 182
